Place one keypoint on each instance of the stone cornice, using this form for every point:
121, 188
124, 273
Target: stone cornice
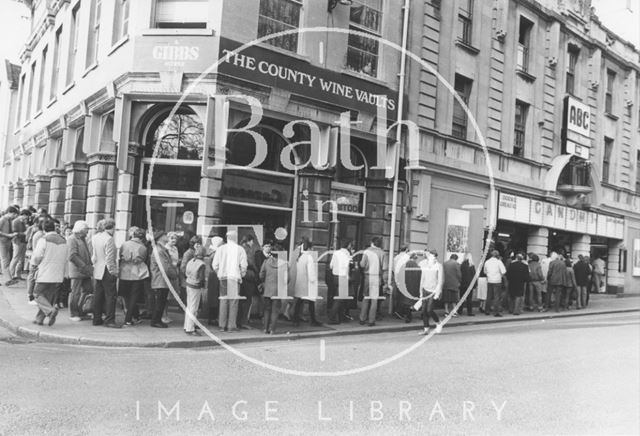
101, 158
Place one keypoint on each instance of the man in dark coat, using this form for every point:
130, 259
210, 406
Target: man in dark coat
518, 277
451, 287
582, 271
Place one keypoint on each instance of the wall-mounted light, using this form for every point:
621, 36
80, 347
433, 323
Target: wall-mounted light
333, 3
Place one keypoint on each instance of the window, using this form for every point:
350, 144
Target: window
55, 66
462, 86
178, 144
606, 160
19, 117
277, 16
73, 44
608, 98
43, 65
32, 79
465, 20
571, 69
520, 128
181, 14
524, 43
94, 33
120, 21
352, 177
362, 52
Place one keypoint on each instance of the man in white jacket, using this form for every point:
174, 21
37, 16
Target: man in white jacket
50, 256
230, 265
495, 270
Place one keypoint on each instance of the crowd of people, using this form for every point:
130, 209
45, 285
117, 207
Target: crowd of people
229, 281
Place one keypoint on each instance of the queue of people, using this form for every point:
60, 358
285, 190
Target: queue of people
229, 281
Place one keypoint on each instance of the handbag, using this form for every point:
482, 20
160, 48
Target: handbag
86, 305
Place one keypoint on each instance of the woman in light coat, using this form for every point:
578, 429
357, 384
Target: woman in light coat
306, 284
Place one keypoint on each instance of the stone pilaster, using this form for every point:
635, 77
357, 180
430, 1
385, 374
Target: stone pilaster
18, 193
76, 192
57, 192
314, 186
377, 220
42, 190
125, 193
615, 279
538, 241
581, 246
29, 193
101, 187
10, 193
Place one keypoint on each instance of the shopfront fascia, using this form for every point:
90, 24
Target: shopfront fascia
538, 213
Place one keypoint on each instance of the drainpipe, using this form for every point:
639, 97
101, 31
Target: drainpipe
394, 201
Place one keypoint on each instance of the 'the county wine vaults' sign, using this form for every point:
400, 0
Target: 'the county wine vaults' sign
277, 70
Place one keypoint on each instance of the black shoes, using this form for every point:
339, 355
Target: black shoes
52, 317
159, 325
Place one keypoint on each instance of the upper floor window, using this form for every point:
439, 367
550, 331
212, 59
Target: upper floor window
94, 33
571, 69
32, 80
43, 65
520, 128
278, 16
524, 44
181, 14
55, 65
120, 21
462, 86
465, 21
73, 44
362, 51
608, 98
606, 160
19, 115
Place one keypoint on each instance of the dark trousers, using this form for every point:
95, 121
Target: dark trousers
45, 295
158, 302
299, 305
338, 305
104, 299
131, 290
496, 295
79, 289
428, 312
555, 291
468, 302
270, 314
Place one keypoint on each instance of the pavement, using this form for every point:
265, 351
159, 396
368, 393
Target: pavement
17, 315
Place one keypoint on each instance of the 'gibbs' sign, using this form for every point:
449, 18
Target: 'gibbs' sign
260, 65
576, 128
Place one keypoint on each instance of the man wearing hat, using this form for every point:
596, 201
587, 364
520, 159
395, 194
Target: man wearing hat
160, 262
80, 268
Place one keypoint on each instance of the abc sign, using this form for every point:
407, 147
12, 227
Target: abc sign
578, 117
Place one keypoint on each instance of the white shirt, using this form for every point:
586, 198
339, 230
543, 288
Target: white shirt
494, 269
340, 262
432, 278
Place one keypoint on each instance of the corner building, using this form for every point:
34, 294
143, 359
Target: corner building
99, 82
90, 121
